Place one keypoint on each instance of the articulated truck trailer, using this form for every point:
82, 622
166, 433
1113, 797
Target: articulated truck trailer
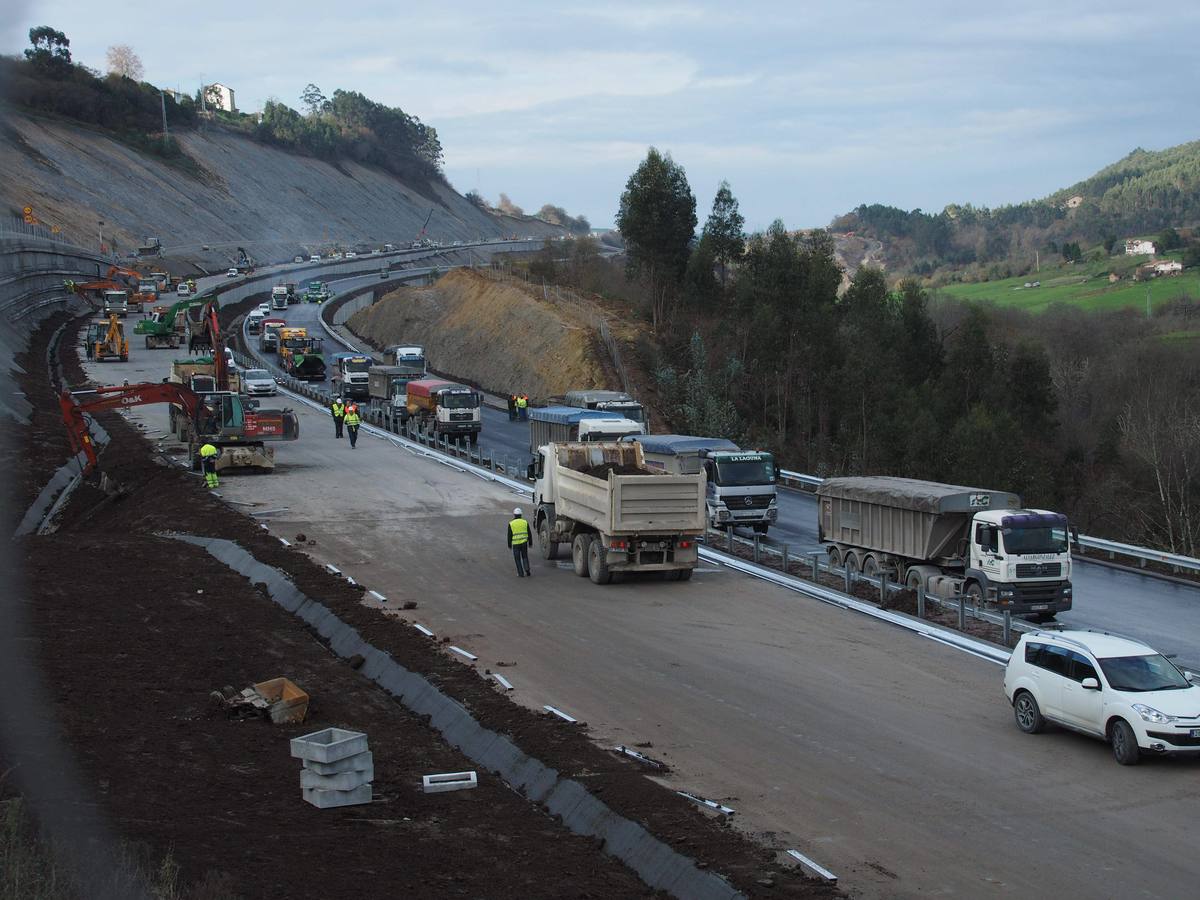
950, 540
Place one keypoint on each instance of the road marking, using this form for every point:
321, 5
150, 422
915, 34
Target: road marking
559, 713
461, 652
805, 861
421, 628
504, 682
711, 804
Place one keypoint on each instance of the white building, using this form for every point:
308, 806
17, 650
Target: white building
1135, 247
220, 96
1168, 267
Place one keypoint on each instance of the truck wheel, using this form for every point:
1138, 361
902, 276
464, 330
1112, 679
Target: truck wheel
1124, 743
475, 439
914, 579
761, 527
975, 595
684, 574
835, 557
549, 547
579, 553
597, 564
870, 567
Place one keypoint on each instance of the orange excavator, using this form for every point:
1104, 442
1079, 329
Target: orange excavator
217, 418
143, 290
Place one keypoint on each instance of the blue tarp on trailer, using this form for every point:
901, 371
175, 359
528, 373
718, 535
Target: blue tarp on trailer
567, 415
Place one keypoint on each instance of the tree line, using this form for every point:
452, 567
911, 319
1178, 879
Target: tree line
1093, 414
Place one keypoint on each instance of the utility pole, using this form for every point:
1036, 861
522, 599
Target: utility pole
1147, 299
162, 96
1037, 255
101, 224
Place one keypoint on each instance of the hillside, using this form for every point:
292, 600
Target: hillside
240, 192
1143, 193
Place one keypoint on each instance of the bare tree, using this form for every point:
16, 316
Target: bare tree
124, 62
509, 208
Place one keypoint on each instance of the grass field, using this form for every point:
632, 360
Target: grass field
1083, 285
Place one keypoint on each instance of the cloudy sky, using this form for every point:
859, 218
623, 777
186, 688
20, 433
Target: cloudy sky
807, 109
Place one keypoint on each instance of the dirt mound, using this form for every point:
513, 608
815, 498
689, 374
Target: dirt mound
605, 469
500, 335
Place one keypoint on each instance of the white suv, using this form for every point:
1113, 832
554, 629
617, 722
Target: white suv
1113, 688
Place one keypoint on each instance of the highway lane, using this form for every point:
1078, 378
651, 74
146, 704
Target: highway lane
890, 759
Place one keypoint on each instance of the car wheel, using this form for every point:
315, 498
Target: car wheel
1028, 715
1124, 743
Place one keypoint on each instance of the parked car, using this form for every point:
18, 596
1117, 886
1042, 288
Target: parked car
258, 383
1109, 687
231, 273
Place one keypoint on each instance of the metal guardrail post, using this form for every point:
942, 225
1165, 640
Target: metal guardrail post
757, 547
962, 611
816, 566
921, 601
783, 558
1007, 627
729, 539
847, 576
883, 586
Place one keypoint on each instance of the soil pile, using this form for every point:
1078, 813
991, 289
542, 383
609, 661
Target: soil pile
500, 335
603, 470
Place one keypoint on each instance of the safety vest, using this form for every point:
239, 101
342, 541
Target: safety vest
208, 450
519, 529
522, 403
353, 418
339, 410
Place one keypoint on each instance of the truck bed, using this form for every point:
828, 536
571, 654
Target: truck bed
626, 504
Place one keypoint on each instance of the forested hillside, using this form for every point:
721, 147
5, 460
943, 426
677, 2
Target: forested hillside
1144, 193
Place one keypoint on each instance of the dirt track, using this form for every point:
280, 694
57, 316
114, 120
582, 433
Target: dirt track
137, 631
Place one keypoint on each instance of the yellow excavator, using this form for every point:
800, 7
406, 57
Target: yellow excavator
107, 341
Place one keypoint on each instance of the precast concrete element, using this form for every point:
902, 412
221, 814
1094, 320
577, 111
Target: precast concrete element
343, 781
329, 745
359, 762
657, 864
812, 866
332, 799
449, 781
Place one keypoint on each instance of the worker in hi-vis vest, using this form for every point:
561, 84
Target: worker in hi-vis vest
518, 539
208, 462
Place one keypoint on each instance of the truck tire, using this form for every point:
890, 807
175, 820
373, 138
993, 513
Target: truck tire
475, 439
684, 574
549, 547
579, 553
975, 595
835, 557
597, 564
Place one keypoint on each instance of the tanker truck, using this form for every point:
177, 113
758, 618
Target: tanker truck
950, 540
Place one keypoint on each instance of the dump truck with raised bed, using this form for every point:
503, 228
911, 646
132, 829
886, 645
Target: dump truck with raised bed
741, 483
300, 355
443, 409
350, 377
569, 424
616, 515
950, 540
618, 403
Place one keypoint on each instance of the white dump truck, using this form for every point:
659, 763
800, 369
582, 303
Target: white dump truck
740, 483
567, 424
951, 540
616, 515
616, 403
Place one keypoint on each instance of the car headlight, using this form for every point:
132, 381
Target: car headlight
1150, 714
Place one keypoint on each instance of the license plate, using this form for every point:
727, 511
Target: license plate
1195, 732
1040, 606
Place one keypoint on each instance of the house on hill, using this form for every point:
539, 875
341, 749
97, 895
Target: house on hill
220, 96
1138, 247
1168, 267
1074, 202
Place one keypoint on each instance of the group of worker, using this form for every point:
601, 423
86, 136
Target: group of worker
345, 415
518, 407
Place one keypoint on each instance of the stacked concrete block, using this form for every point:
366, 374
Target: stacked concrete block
338, 767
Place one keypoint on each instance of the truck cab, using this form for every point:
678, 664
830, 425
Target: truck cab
279, 297
116, 302
352, 376
1022, 557
411, 356
616, 402
445, 408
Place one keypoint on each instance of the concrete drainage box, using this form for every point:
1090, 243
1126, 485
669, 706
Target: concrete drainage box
450, 781
338, 767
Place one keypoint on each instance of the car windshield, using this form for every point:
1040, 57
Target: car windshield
460, 401
1042, 539
746, 470
1140, 674
257, 374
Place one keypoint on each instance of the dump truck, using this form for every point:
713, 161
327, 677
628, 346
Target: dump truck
949, 539
443, 408
168, 326
616, 402
106, 340
317, 292
616, 515
411, 356
279, 297
350, 377
115, 303
300, 355
741, 483
268, 341
569, 424
387, 387
200, 374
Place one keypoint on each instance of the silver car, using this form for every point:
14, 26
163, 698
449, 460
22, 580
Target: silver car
258, 383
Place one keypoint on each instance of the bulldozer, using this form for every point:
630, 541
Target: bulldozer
107, 341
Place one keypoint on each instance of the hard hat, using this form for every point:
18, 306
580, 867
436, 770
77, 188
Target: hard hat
517, 511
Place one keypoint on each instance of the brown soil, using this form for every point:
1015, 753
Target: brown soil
603, 470
151, 639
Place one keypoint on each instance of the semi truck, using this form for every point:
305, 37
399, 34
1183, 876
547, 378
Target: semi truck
279, 297
350, 378
740, 483
268, 341
616, 402
616, 515
568, 424
950, 540
446, 408
387, 387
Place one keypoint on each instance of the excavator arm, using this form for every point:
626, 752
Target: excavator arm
75, 405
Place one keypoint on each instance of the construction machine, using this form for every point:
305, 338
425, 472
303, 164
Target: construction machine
107, 341
218, 418
168, 326
143, 290
300, 355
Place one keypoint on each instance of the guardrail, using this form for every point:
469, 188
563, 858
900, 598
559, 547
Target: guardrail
1086, 542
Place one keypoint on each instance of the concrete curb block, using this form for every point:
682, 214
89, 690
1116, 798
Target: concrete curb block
658, 865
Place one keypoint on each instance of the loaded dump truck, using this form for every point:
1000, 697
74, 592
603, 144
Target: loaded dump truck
444, 408
200, 375
951, 540
350, 375
387, 387
567, 424
617, 515
617, 403
740, 483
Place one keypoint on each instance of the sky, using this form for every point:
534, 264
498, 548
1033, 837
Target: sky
807, 109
